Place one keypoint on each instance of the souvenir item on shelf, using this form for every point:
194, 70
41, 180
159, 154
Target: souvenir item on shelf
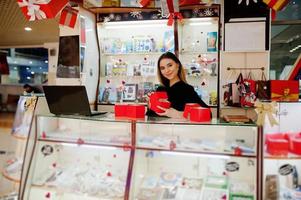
272, 187
236, 118
211, 41
169, 179
283, 90
110, 3
130, 92
232, 93
247, 92
263, 91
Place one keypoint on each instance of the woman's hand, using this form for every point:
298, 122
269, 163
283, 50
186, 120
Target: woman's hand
171, 112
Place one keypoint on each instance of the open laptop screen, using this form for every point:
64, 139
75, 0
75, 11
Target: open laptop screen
67, 100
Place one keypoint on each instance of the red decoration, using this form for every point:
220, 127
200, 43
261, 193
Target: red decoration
276, 5
109, 174
187, 109
172, 145
80, 141
41, 9
237, 151
47, 195
43, 134
200, 114
69, 17
126, 147
173, 12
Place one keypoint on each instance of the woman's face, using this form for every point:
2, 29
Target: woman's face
169, 69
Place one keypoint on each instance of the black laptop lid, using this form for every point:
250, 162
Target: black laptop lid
67, 100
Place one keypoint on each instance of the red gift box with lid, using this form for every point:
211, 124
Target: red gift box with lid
283, 90
41, 9
135, 111
120, 110
294, 140
277, 144
200, 114
159, 99
188, 107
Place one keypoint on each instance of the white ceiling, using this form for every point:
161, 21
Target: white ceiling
12, 23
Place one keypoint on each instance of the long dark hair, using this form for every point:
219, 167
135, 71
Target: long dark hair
181, 73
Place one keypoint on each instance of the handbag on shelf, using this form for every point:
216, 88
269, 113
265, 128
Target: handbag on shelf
263, 88
232, 93
248, 92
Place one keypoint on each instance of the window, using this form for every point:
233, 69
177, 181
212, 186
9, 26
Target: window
26, 65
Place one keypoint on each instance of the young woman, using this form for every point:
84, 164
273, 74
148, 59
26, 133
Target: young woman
172, 77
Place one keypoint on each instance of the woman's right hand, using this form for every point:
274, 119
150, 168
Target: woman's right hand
148, 98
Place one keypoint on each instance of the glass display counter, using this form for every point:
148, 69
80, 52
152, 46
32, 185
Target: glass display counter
282, 153
106, 158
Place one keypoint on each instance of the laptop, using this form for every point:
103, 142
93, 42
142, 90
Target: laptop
68, 100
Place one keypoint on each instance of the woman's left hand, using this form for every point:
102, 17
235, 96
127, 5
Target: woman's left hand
171, 112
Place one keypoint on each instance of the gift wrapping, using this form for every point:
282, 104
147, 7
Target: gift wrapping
41, 9
69, 17
282, 90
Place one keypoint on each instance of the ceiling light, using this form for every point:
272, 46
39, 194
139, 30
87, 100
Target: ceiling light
30, 62
46, 61
32, 72
28, 29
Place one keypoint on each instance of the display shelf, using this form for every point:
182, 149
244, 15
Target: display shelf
42, 192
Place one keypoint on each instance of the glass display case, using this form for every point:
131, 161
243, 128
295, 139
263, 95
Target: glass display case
106, 158
199, 50
195, 161
282, 153
76, 158
131, 44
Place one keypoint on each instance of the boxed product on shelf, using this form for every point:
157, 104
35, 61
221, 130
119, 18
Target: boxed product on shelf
284, 90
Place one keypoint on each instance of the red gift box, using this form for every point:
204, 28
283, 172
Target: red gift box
275, 136
199, 114
282, 90
277, 146
159, 99
135, 111
188, 107
41, 9
294, 140
120, 110
69, 17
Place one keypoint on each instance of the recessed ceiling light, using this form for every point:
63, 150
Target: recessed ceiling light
30, 62
46, 61
28, 29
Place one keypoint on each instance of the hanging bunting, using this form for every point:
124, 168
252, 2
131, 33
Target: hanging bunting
276, 5
41, 9
69, 16
173, 11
